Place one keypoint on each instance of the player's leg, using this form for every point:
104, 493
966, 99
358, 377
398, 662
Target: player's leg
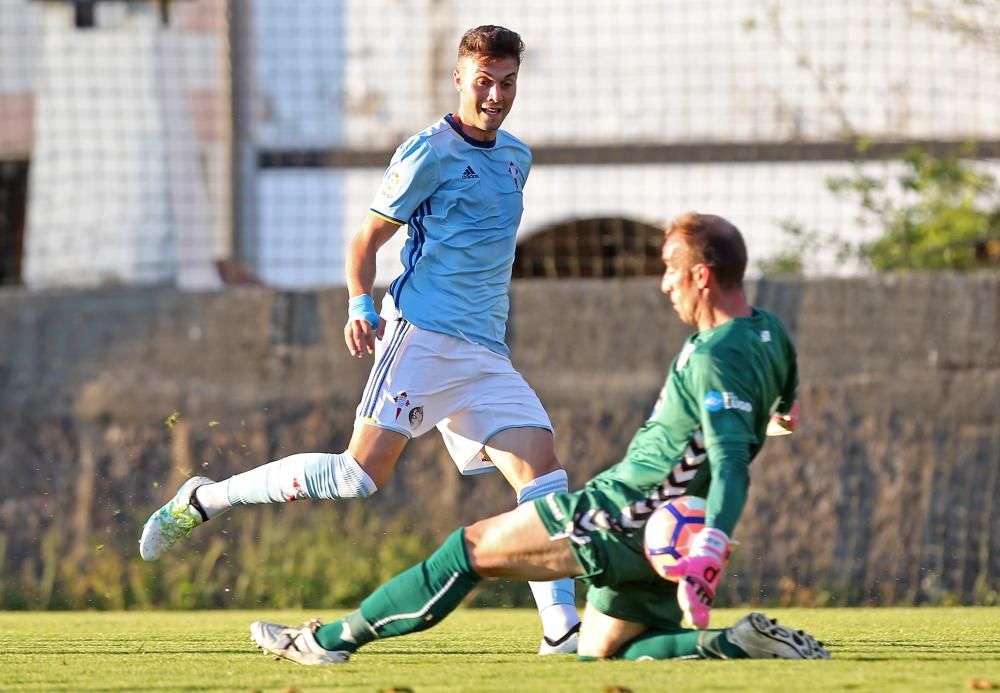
601, 636
617, 610
514, 545
517, 546
368, 462
636, 616
527, 459
355, 473
754, 636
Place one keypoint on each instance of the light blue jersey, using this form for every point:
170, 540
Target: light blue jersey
462, 200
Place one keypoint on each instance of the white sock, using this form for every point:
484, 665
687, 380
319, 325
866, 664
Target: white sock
305, 475
556, 599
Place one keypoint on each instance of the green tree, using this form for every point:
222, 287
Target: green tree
926, 212
932, 216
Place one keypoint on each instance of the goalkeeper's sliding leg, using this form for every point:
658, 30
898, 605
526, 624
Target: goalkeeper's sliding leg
516, 545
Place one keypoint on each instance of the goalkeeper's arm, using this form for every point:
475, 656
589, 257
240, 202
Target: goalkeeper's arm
782, 424
701, 570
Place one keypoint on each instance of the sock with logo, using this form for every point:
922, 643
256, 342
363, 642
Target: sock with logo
555, 599
316, 475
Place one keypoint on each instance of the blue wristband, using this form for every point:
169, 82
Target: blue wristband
362, 308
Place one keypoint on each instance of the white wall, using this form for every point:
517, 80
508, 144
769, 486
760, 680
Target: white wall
119, 189
304, 211
118, 193
628, 71
635, 71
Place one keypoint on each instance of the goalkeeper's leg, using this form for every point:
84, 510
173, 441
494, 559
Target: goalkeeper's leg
514, 545
681, 643
414, 600
755, 636
604, 636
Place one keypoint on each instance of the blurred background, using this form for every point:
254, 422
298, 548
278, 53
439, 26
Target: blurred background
148, 142
179, 180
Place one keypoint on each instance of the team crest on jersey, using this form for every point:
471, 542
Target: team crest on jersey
515, 173
390, 185
416, 417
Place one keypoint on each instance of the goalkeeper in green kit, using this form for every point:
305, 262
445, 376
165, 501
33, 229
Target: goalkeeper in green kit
732, 381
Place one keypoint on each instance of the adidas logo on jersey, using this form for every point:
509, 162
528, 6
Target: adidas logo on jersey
469, 173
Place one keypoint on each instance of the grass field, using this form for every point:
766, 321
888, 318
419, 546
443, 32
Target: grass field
485, 650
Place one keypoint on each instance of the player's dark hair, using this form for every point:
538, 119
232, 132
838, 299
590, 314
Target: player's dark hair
715, 242
491, 41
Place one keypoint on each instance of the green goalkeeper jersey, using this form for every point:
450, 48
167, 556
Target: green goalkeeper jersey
708, 423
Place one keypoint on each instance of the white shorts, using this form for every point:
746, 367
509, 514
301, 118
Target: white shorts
422, 379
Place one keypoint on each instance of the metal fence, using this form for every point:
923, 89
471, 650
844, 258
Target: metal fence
199, 141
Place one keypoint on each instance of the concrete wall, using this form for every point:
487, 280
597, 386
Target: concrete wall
887, 494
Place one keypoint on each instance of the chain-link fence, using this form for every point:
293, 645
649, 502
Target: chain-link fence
194, 140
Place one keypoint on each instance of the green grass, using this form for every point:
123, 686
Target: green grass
932, 649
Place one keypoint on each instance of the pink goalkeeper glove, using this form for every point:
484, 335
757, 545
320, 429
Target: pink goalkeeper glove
783, 424
699, 573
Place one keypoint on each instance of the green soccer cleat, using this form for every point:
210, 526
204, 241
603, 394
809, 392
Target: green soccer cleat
762, 638
174, 520
296, 644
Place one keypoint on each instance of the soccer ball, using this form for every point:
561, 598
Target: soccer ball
669, 532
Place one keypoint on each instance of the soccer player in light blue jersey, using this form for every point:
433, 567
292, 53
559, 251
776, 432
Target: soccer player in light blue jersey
440, 356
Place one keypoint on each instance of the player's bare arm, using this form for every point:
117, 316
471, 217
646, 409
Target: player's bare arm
360, 332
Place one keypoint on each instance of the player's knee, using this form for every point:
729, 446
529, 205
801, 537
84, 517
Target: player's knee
473, 536
591, 651
479, 547
376, 451
378, 467
597, 647
546, 465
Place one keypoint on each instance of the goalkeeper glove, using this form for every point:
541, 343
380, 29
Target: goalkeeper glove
783, 424
698, 574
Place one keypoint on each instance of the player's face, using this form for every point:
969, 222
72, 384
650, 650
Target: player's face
487, 88
679, 280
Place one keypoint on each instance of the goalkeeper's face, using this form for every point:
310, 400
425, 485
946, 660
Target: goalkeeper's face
486, 88
681, 280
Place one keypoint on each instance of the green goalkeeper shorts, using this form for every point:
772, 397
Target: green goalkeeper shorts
621, 582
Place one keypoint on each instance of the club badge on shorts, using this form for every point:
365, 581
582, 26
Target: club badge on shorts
401, 402
416, 416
